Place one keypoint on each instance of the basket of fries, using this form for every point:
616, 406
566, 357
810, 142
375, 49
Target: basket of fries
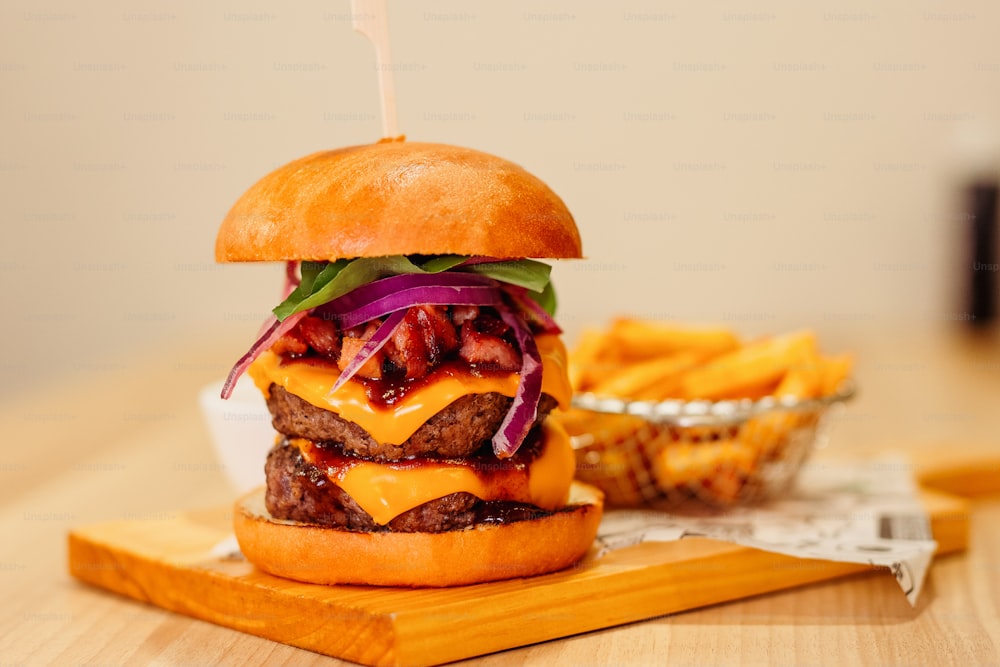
665, 414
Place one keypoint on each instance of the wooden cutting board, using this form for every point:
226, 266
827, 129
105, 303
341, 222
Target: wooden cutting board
170, 563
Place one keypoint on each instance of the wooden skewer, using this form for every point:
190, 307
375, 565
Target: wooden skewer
370, 18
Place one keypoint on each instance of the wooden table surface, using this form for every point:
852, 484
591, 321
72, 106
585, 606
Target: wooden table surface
127, 441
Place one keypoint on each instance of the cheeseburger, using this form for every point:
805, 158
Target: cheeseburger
409, 370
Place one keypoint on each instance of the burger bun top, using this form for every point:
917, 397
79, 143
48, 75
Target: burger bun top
397, 198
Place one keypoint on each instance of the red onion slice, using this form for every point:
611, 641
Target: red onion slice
268, 338
520, 297
524, 410
371, 346
381, 297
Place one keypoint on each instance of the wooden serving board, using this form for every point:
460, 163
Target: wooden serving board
170, 563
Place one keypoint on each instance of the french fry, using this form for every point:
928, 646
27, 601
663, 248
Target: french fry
653, 379
611, 469
576, 422
758, 364
803, 379
584, 357
713, 470
755, 392
834, 371
606, 428
638, 339
612, 456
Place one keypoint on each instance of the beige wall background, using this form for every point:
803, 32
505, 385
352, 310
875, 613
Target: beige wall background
770, 165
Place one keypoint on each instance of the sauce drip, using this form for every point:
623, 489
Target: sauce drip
505, 511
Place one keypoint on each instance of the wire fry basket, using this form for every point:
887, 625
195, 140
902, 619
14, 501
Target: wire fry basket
723, 453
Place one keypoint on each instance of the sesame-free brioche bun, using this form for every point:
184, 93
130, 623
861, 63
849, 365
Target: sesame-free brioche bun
323, 555
397, 198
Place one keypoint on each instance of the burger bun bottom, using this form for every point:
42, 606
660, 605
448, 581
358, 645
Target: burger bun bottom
322, 555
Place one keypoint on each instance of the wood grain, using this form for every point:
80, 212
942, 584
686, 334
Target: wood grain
170, 564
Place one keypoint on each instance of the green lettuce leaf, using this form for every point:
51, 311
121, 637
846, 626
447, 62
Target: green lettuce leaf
442, 263
315, 275
323, 282
526, 273
546, 298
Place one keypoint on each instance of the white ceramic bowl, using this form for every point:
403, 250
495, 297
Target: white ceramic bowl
241, 431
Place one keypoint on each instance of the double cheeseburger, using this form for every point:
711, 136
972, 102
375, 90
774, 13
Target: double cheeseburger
409, 370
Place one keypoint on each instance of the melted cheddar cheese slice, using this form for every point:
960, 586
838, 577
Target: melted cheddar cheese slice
385, 490
394, 424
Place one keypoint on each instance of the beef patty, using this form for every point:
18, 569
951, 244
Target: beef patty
299, 491
457, 431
